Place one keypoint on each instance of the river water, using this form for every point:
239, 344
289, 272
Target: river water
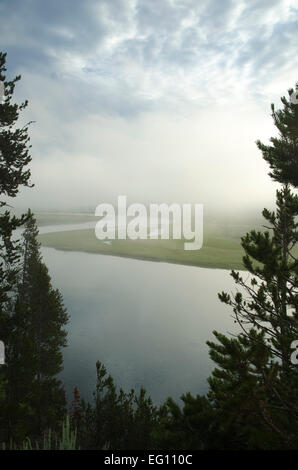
148, 322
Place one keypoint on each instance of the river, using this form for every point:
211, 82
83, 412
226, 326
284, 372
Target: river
148, 322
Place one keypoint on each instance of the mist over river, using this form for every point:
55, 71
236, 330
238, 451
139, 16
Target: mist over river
148, 322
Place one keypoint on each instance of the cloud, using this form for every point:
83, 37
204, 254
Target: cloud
153, 97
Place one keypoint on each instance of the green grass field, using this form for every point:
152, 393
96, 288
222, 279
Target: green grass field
217, 251
221, 246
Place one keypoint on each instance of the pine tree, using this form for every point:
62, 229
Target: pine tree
14, 158
45, 318
238, 393
32, 315
282, 154
266, 306
190, 427
34, 396
252, 402
115, 419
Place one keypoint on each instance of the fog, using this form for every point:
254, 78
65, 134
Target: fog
208, 158
159, 104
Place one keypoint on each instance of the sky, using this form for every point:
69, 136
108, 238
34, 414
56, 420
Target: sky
158, 100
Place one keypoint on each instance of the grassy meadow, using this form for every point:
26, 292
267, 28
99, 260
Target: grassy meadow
221, 245
216, 253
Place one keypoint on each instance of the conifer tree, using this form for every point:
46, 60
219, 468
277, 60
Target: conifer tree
116, 419
32, 315
266, 305
282, 154
252, 402
46, 318
34, 396
14, 158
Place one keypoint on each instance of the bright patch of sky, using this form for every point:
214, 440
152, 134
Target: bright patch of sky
160, 100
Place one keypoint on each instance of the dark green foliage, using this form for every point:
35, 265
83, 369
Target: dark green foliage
65, 439
269, 300
46, 319
35, 399
266, 306
116, 419
238, 392
14, 157
189, 427
282, 154
229, 417
252, 401
13, 141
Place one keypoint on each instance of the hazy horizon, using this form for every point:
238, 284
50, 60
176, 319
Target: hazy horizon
158, 101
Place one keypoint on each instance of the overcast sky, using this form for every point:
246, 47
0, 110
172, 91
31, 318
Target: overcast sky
159, 100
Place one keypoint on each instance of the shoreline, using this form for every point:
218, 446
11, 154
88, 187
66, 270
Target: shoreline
144, 258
